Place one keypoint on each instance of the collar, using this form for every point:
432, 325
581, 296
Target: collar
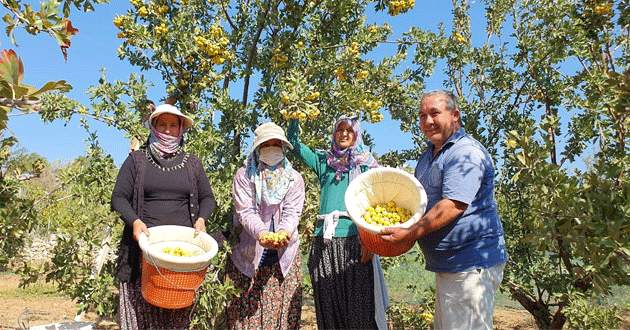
456, 136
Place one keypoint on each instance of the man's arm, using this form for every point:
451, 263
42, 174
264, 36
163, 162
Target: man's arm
439, 216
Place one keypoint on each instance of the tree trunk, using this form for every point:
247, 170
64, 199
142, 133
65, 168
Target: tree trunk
537, 309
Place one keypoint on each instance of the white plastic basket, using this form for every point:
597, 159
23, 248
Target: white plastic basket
173, 236
381, 185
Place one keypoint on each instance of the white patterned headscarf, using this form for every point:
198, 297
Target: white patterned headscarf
271, 182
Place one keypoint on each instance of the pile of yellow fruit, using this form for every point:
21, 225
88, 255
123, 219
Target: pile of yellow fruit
275, 236
178, 252
386, 214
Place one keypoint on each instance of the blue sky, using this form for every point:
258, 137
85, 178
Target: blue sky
94, 48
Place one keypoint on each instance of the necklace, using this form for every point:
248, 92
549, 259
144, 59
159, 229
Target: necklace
167, 169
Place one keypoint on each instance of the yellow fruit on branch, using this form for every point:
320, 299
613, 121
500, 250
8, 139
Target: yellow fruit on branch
603, 9
143, 12
460, 38
400, 6
119, 20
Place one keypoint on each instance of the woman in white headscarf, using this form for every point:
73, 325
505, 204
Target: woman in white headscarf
268, 198
159, 184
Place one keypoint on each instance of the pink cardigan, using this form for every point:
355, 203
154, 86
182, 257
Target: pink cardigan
256, 218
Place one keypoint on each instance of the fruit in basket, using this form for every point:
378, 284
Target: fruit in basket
386, 214
179, 252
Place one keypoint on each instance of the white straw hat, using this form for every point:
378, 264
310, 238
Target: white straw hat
167, 108
269, 131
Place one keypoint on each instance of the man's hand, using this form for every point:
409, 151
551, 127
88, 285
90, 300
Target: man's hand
138, 228
200, 226
398, 236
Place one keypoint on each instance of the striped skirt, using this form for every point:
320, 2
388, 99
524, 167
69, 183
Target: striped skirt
136, 313
343, 286
269, 300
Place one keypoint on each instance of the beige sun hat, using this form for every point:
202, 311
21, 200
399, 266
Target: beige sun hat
269, 131
167, 108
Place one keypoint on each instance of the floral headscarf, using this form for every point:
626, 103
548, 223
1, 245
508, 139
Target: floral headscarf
271, 182
164, 145
349, 159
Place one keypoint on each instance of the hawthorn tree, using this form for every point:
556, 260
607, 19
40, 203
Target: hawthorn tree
16, 211
546, 84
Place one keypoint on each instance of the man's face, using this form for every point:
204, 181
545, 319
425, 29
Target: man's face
437, 122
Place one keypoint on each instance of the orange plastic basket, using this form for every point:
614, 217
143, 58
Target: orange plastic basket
168, 288
377, 245
169, 281
381, 185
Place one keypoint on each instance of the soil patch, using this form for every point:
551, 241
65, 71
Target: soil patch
40, 304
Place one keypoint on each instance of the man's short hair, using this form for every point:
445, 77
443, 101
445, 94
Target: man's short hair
450, 98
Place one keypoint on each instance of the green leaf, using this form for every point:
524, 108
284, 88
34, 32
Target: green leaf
22, 91
6, 90
521, 157
4, 118
8, 19
50, 86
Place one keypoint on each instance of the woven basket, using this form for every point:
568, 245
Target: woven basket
169, 281
381, 185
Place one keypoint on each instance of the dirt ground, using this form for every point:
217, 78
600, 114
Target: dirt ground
22, 309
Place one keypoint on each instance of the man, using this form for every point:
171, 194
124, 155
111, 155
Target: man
460, 235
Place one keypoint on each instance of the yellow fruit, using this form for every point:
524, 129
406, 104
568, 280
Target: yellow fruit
275, 236
386, 214
118, 21
460, 38
179, 252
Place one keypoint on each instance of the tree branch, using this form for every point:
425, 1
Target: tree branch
21, 104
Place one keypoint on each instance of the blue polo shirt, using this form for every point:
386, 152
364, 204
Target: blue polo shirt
463, 171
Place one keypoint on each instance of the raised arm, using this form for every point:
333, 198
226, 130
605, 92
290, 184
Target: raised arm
303, 152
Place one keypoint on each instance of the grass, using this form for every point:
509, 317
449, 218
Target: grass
408, 273
39, 290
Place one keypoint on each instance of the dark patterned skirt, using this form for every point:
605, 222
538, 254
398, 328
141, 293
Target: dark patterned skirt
269, 300
137, 313
343, 286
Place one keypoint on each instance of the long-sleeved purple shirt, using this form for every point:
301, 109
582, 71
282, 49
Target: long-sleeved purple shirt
256, 218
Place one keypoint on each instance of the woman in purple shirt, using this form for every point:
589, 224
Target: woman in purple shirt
268, 198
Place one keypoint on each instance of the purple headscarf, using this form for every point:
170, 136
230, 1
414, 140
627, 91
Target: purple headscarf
349, 159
